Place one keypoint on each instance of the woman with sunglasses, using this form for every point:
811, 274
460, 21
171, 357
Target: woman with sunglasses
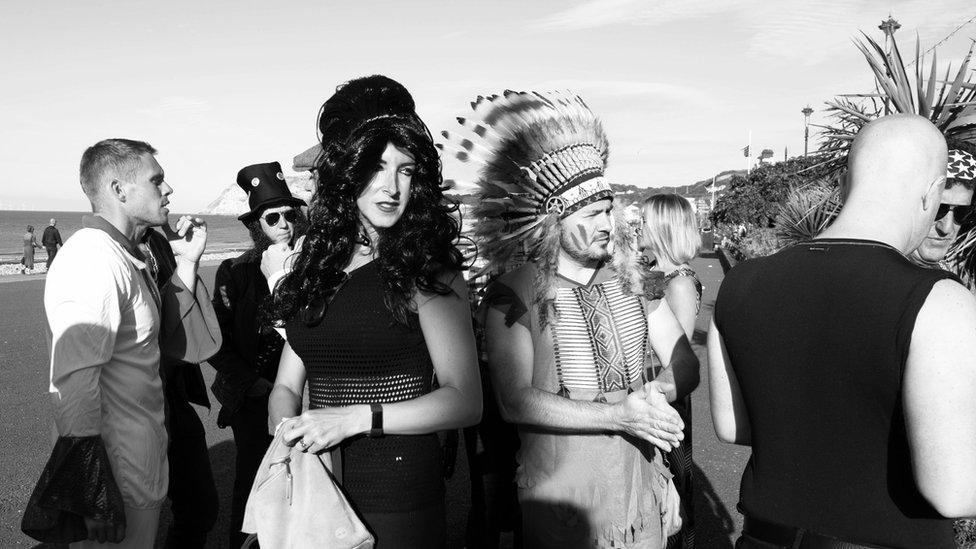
247, 362
377, 317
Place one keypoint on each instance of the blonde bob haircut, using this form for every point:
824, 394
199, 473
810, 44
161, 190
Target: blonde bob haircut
670, 228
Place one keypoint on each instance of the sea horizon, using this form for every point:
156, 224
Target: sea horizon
225, 232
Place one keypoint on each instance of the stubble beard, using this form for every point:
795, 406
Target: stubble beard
583, 256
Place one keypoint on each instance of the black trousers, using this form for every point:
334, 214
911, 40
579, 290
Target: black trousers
192, 493
250, 426
51, 252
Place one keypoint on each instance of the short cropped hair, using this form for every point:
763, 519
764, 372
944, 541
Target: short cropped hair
117, 157
671, 230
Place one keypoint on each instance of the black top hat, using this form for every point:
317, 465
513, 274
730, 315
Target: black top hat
265, 186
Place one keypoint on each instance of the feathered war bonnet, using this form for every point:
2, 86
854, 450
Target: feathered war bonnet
541, 157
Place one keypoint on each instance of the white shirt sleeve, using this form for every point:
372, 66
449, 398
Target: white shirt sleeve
84, 314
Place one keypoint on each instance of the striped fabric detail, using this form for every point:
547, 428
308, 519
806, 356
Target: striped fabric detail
600, 338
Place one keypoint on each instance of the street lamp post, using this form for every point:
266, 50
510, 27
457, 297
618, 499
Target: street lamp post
888, 27
807, 111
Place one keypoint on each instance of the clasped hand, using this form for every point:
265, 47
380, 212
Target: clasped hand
189, 239
103, 531
646, 414
279, 257
324, 428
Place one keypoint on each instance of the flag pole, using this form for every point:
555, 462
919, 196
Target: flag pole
713, 192
749, 155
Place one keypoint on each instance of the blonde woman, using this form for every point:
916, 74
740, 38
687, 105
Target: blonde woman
670, 239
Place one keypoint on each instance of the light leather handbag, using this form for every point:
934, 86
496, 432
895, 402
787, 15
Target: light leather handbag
296, 503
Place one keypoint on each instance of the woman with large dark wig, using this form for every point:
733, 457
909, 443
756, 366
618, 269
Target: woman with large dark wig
376, 315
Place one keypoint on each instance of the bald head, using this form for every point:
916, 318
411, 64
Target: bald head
899, 152
896, 173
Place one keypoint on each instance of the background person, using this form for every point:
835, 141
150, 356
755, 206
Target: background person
671, 239
377, 316
247, 362
51, 239
30, 243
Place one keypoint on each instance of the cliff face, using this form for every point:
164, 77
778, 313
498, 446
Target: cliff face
233, 200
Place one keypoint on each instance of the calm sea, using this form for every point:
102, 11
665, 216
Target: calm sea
224, 232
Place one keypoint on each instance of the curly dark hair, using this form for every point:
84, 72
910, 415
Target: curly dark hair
411, 254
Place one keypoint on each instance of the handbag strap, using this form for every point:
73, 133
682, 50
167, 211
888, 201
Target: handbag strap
336, 455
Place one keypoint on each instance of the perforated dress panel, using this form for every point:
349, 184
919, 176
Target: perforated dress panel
358, 354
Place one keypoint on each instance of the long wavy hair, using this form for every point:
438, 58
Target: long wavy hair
411, 254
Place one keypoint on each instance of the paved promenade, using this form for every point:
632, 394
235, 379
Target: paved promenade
27, 438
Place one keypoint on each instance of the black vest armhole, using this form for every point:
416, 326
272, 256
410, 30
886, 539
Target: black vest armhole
906, 324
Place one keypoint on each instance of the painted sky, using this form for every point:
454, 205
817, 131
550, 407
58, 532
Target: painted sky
218, 85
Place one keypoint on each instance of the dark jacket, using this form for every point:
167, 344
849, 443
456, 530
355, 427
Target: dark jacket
51, 237
239, 289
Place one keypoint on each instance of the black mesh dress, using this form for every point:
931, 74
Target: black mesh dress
358, 354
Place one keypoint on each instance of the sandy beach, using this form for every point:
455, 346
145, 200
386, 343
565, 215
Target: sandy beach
27, 437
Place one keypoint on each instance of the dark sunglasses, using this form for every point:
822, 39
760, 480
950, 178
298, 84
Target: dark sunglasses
959, 212
290, 216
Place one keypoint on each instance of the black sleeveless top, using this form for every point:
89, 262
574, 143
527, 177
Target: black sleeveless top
358, 354
818, 336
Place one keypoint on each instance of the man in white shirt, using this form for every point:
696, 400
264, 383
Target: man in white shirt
104, 312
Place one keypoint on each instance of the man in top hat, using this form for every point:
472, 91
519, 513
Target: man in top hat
247, 362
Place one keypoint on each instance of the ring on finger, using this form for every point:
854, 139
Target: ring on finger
305, 446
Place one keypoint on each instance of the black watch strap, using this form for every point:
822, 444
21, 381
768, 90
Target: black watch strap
377, 429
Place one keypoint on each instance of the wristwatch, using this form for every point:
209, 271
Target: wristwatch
377, 429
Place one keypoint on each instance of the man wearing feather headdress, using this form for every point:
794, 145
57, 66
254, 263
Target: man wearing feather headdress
568, 331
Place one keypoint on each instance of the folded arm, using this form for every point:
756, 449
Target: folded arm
729, 413
643, 414
671, 346
84, 315
940, 411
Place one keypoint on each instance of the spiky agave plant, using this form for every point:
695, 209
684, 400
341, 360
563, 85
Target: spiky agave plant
806, 212
949, 104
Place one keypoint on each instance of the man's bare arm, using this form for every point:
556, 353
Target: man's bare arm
510, 359
940, 409
728, 408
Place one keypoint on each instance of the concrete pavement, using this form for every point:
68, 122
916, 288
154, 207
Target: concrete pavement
27, 437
